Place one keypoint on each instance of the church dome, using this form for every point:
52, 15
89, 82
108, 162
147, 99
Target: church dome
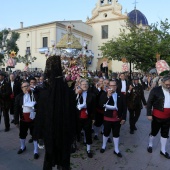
137, 17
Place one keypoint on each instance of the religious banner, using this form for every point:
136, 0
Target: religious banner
125, 67
11, 62
162, 67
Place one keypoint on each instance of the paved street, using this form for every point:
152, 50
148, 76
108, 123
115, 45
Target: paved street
133, 148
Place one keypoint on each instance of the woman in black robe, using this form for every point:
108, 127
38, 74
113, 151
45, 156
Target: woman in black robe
56, 116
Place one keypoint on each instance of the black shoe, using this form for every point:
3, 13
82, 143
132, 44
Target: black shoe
84, 143
135, 128
12, 121
36, 155
6, 129
149, 149
131, 131
109, 140
102, 150
166, 155
89, 154
21, 150
30, 140
118, 154
96, 137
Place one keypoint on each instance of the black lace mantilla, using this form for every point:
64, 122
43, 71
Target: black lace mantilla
53, 69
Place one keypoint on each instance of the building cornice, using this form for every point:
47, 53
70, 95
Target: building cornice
106, 20
44, 24
52, 25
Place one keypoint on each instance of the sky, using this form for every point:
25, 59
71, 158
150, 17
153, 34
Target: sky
34, 12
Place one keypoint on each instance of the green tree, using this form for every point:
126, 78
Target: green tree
140, 45
7, 44
163, 33
25, 59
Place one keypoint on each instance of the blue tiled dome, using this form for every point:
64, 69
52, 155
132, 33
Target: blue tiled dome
137, 17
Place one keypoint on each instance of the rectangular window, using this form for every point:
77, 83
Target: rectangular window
45, 41
104, 31
28, 51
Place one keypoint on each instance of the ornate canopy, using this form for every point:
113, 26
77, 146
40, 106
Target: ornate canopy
69, 41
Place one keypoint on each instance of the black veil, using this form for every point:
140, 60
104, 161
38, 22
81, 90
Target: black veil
57, 104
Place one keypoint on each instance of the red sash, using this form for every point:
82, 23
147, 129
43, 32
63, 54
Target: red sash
162, 114
114, 118
26, 117
12, 96
83, 114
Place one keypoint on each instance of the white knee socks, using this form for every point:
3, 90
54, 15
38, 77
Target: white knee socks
88, 147
163, 144
104, 142
22, 142
116, 144
151, 138
35, 146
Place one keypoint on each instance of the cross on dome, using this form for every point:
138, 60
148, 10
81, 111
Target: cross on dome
135, 3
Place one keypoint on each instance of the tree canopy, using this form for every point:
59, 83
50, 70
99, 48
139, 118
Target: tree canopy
7, 45
140, 45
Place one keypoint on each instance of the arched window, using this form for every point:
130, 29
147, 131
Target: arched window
101, 2
109, 1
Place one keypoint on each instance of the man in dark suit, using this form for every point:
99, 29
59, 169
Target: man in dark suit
5, 93
122, 84
85, 110
114, 115
135, 98
16, 89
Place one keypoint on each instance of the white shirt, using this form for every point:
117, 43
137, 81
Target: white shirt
83, 105
123, 86
84, 95
12, 85
114, 95
110, 107
167, 98
27, 99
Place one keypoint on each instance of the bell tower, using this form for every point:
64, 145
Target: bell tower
106, 21
105, 2
104, 6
